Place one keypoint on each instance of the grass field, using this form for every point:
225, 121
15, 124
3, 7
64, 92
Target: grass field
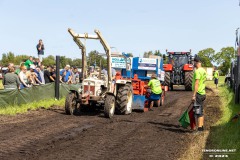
1, 85
12, 110
225, 134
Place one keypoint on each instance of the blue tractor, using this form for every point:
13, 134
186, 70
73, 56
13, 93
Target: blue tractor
140, 72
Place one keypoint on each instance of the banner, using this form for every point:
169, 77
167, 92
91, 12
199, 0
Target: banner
33, 94
147, 63
118, 62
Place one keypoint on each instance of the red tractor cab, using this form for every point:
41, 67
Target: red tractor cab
179, 70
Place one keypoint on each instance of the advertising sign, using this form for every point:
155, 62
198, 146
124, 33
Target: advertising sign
147, 63
118, 62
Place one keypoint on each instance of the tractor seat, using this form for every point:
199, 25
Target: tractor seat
118, 75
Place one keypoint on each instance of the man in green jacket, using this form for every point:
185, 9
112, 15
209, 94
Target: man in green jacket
29, 62
199, 93
156, 89
216, 76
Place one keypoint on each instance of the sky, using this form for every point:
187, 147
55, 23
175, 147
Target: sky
131, 26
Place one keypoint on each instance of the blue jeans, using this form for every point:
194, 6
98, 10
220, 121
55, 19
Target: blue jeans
153, 97
22, 86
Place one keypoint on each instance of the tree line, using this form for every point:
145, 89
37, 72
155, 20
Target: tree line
209, 57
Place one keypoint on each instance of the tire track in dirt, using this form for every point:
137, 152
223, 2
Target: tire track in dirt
130, 137
150, 135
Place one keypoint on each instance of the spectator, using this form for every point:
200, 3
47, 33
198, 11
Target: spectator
36, 62
40, 50
47, 76
23, 77
35, 76
75, 75
18, 70
10, 65
53, 72
41, 72
29, 62
11, 80
66, 74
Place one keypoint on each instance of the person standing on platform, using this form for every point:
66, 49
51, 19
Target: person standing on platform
40, 50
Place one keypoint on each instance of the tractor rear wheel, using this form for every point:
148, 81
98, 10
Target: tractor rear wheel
167, 79
109, 106
188, 81
125, 99
71, 103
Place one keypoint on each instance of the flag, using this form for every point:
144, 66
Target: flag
184, 120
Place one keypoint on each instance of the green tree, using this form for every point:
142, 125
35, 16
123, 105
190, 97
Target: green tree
147, 54
207, 57
130, 54
94, 56
223, 58
157, 53
69, 61
4, 59
49, 60
63, 61
7, 58
20, 58
77, 62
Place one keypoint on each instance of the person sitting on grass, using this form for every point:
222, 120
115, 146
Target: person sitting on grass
11, 80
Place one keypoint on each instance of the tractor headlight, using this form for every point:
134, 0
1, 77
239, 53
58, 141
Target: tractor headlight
79, 90
99, 92
90, 93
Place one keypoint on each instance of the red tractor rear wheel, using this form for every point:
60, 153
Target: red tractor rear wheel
188, 80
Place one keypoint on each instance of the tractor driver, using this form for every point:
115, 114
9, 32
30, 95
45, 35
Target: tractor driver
156, 89
104, 71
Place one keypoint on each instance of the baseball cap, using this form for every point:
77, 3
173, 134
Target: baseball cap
197, 59
154, 76
32, 67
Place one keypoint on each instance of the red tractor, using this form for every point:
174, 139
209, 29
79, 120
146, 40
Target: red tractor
179, 70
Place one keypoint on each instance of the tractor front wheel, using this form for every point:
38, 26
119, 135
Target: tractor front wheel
71, 103
109, 106
125, 99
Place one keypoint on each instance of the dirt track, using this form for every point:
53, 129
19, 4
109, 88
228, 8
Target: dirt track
50, 134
